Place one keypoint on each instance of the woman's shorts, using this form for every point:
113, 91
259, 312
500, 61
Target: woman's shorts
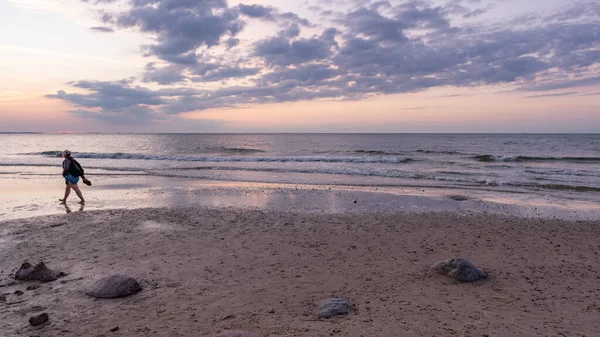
70, 179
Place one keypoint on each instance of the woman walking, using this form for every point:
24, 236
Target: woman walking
72, 171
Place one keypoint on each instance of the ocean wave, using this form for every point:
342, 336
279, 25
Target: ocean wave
386, 173
494, 158
378, 153
563, 172
439, 152
557, 187
237, 150
306, 159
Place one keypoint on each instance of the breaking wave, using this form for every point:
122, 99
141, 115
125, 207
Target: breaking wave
493, 158
302, 159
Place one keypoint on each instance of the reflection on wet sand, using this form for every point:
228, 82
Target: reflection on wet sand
69, 210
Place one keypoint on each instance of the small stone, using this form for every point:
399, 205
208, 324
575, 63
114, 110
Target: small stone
335, 307
18, 292
39, 319
3, 298
40, 272
114, 329
115, 286
236, 334
460, 269
33, 287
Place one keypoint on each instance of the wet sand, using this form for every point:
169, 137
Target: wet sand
206, 270
36, 196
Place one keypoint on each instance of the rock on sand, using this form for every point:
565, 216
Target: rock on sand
335, 307
40, 272
460, 269
39, 319
114, 286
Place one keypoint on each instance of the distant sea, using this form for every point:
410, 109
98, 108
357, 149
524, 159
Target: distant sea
559, 165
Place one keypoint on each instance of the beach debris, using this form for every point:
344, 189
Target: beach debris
236, 334
39, 319
114, 329
335, 307
18, 292
458, 197
3, 298
40, 272
115, 286
460, 269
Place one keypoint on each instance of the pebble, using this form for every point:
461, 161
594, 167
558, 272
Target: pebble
460, 269
335, 307
40, 272
115, 286
39, 319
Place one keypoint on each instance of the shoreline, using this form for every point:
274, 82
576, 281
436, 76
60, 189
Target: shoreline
38, 197
209, 269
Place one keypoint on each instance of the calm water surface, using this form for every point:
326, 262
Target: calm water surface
560, 165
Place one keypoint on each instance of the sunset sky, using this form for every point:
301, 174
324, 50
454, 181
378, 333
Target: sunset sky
299, 66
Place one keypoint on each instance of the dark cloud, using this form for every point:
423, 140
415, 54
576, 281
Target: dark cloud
224, 73
562, 84
374, 48
102, 29
448, 96
280, 51
120, 101
373, 25
181, 26
554, 95
166, 75
232, 42
257, 11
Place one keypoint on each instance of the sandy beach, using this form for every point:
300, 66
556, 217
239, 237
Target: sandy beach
205, 270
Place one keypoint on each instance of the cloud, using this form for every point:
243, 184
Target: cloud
180, 26
257, 11
120, 101
102, 29
592, 94
554, 95
223, 73
561, 84
166, 75
280, 51
363, 48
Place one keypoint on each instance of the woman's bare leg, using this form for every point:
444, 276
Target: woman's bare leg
67, 192
78, 192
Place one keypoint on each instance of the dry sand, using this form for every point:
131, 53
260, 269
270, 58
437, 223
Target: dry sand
206, 270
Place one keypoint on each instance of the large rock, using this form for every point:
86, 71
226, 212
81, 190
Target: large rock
115, 286
39, 319
236, 334
40, 272
335, 307
460, 269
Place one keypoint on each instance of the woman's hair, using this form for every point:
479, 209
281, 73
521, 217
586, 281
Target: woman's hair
66, 153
